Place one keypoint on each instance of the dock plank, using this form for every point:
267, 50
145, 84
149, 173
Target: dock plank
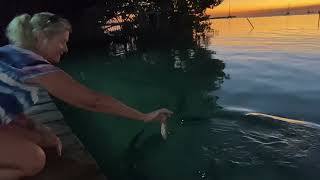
76, 163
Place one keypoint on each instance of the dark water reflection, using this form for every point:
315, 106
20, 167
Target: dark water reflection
227, 148
205, 140
178, 77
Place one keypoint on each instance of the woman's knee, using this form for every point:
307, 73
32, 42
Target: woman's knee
35, 162
21, 153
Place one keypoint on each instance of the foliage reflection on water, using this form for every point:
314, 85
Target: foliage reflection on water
178, 75
205, 142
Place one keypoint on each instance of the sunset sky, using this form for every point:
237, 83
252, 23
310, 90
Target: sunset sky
251, 7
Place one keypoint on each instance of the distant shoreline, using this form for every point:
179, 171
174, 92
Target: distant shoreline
272, 12
262, 15
222, 17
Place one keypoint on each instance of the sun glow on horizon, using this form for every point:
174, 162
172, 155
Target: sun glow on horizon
246, 6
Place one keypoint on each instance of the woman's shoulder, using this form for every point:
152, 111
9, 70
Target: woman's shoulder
19, 57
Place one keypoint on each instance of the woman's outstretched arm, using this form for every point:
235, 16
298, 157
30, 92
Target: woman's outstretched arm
64, 87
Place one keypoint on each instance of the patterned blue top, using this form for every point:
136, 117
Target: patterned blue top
16, 66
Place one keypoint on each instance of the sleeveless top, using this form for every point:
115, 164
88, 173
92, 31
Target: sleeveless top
16, 66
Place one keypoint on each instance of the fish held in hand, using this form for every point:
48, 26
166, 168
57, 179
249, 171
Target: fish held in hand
164, 132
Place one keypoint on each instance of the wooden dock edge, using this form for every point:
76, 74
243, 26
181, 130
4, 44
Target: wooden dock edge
76, 163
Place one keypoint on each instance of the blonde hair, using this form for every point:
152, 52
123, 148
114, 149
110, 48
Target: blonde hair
23, 29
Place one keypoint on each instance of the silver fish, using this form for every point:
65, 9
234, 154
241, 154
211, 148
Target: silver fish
164, 132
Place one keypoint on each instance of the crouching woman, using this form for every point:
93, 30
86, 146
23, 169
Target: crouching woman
27, 64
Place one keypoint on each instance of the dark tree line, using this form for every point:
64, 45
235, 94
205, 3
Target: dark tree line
157, 16
153, 17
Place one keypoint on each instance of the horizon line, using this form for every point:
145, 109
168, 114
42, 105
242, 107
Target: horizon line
299, 8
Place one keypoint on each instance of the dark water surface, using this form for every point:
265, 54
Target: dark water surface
272, 70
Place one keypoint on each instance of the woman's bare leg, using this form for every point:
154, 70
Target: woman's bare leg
10, 174
19, 157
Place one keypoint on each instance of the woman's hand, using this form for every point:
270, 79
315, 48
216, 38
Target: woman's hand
50, 140
159, 115
44, 137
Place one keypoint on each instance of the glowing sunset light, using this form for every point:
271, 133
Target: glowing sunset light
256, 7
